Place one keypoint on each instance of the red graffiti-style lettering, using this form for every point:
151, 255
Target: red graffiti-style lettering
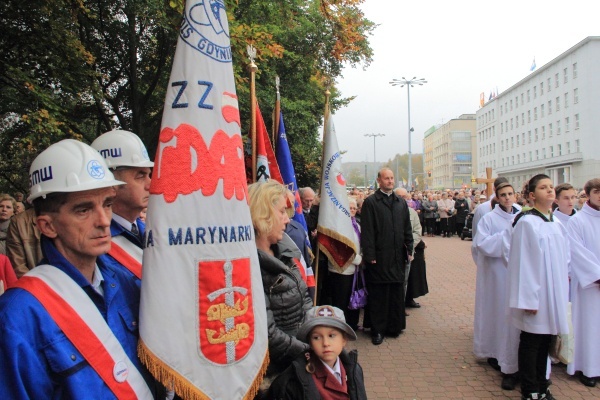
223, 160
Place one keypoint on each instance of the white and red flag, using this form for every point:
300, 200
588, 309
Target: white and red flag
266, 162
336, 237
203, 324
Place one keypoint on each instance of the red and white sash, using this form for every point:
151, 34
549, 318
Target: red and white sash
127, 254
79, 319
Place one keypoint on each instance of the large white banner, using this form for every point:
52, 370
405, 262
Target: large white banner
336, 237
203, 319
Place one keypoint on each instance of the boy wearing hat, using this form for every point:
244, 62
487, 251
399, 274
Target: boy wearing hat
327, 371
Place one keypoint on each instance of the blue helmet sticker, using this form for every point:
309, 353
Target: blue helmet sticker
95, 169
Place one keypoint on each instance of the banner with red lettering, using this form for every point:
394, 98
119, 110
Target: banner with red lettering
336, 237
203, 324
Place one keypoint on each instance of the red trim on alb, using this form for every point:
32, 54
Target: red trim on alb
79, 333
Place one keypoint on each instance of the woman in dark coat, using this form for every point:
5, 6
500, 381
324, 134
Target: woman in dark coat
286, 294
461, 206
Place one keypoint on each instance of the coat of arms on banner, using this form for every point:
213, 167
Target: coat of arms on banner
226, 319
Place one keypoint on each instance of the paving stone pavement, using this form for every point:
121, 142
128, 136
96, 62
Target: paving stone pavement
433, 358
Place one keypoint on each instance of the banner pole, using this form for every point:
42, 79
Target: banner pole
253, 68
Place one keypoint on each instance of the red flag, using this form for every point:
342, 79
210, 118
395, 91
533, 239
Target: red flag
266, 163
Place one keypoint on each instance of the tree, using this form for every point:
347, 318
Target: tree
78, 68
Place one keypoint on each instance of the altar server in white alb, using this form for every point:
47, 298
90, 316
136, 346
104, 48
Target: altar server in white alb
126, 156
566, 197
538, 283
584, 235
493, 337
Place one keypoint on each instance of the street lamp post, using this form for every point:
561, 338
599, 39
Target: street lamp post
374, 136
409, 83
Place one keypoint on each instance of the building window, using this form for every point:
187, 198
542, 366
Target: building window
535, 113
517, 121
518, 159
566, 78
529, 136
551, 151
574, 70
544, 152
530, 157
511, 124
512, 142
577, 148
575, 96
541, 88
528, 115
542, 110
549, 107
566, 100
536, 134
522, 98
558, 127
511, 104
549, 84
523, 117
501, 127
528, 95
502, 147
559, 149
576, 121
512, 160
503, 161
550, 130
516, 101
558, 104
555, 82
567, 124
568, 147
537, 154
535, 92
517, 140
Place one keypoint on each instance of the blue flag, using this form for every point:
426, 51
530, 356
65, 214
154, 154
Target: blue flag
284, 159
532, 65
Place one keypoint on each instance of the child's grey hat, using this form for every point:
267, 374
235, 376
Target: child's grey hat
324, 316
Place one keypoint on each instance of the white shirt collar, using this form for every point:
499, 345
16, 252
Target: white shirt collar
97, 280
123, 222
335, 371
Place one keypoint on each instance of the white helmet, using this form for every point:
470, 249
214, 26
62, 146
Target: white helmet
122, 149
68, 166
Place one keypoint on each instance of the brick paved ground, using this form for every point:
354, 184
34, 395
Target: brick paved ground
433, 358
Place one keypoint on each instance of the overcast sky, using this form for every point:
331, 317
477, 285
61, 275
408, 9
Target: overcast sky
462, 48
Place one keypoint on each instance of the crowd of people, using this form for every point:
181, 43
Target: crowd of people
538, 271
79, 248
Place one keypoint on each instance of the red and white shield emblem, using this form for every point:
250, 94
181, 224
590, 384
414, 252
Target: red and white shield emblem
226, 317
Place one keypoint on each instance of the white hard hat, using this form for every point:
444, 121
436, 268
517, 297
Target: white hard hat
68, 166
122, 149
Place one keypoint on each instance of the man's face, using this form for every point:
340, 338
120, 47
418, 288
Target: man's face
595, 197
506, 197
386, 180
566, 201
308, 198
81, 227
135, 194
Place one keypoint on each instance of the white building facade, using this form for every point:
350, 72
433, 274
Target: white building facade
546, 123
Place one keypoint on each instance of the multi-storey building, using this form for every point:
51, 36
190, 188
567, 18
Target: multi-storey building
545, 123
448, 153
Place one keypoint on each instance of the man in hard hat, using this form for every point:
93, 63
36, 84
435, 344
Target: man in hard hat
69, 327
127, 158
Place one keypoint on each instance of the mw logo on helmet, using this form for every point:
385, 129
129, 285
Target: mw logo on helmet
40, 175
113, 153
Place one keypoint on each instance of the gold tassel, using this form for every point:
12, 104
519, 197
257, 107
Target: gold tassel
174, 381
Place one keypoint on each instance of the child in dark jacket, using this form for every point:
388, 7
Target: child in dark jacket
327, 371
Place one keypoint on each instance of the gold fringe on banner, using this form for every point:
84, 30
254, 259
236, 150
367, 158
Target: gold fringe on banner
340, 238
174, 381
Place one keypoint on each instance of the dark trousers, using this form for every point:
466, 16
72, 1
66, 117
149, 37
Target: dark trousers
430, 222
386, 307
445, 226
339, 288
533, 358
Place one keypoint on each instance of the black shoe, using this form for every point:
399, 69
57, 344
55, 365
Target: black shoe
377, 339
413, 304
587, 381
509, 381
493, 363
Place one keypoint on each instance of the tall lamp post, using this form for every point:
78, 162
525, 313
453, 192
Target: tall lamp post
409, 83
374, 136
